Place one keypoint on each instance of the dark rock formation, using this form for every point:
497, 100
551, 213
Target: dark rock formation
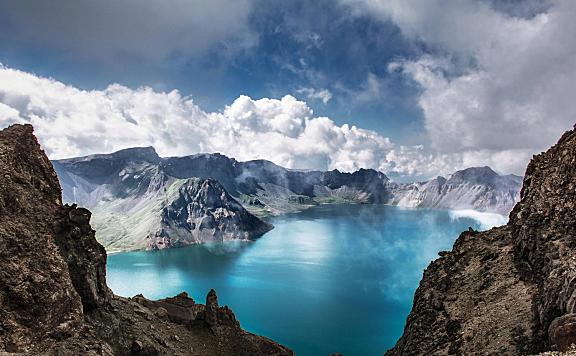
53, 294
85, 257
37, 297
204, 212
512, 289
544, 228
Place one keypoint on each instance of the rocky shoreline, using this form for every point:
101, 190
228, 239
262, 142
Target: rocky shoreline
510, 290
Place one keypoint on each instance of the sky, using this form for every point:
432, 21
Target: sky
414, 88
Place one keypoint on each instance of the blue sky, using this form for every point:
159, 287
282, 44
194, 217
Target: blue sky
431, 85
297, 44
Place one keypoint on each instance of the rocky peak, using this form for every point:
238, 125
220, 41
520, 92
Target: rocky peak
474, 175
204, 212
369, 174
204, 165
105, 168
37, 297
137, 154
360, 178
544, 228
484, 176
85, 257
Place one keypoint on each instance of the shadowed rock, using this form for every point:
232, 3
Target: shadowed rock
512, 289
203, 211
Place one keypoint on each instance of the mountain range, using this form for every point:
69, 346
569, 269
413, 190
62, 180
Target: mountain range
141, 200
510, 290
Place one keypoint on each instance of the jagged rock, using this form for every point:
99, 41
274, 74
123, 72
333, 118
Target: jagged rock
562, 332
85, 257
216, 316
37, 298
204, 212
544, 227
53, 294
512, 289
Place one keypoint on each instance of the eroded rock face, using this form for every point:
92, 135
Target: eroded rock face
85, 257
37, 297
512, 289
562, 332
544, 227
204, 212
53, 294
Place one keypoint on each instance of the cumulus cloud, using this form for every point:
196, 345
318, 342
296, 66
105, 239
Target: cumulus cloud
73, 122
498, 86
323, 95
128, 29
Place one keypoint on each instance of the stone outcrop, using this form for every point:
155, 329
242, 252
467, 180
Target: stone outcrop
204, 212
544, 228
53, 294
510, 290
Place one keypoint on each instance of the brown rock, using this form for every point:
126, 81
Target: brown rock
53, 294
562, 332
512, 289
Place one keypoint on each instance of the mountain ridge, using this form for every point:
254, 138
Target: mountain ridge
237, 176
132, 186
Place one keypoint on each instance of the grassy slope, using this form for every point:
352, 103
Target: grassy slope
123, 224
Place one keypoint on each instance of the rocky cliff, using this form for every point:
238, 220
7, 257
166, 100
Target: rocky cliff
203, 211
53, 294
510, 290
129, 191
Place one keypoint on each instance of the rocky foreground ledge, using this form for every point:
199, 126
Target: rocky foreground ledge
510, 290
53, 293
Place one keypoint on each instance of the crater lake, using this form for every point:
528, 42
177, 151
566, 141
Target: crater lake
333, 278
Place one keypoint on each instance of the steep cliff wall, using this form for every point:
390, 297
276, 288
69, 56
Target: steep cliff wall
53, 294
512, 289
202, 211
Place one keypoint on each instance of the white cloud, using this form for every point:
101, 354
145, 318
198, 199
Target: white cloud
73, 122
502, 87
316, 94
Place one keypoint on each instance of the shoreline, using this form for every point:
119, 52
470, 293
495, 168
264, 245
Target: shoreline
485, 219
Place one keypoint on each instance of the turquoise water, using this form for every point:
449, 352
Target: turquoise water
335, 278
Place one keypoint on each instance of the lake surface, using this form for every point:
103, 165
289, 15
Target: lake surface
334, 278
